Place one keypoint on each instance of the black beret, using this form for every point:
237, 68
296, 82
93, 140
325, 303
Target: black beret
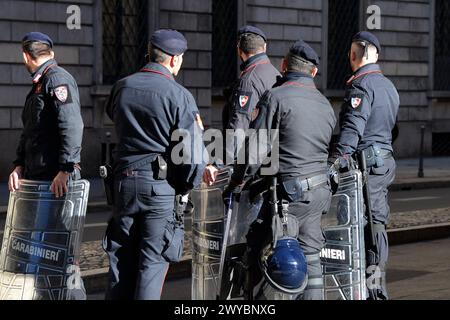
170, 41
251, 29
38, 37
365, 36
304, 51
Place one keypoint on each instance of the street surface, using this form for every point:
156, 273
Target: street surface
417, 271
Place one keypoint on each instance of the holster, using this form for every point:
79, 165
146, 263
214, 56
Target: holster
160, 168
373, 156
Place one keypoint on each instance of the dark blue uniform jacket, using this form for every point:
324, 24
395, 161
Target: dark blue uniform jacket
304, 120
257, 76
369, 111
52, 124
147, 107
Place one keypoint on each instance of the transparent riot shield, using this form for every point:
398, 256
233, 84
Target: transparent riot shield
241, 215
219, 240
343, 257
208, 224
39, 257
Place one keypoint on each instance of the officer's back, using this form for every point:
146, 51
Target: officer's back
147, 108
307, 121
384, 107
369, 113
151, 187
50, 143
367, 121
257, 76
304, 121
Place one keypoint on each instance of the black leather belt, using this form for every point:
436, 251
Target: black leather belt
129, 173
312, 183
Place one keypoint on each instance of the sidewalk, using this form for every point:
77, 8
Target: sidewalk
436, 174
436, 170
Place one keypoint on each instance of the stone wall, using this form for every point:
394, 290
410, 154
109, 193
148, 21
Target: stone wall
406, 37
73, 49
193, 18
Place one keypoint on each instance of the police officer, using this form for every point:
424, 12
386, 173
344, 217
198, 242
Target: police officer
50, 144
304, 120
146, 230
257, 76
367, 121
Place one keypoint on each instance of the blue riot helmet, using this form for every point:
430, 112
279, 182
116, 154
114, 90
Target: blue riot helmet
284, 266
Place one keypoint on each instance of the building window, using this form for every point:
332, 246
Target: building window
224, 57
442, 46
343, 23
441, 144
125, 37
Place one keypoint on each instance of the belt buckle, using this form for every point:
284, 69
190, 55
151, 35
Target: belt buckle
304, 185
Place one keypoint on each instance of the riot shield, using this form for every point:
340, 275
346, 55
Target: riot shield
208, 224
241, 215
39, 257
219, 235
343, 257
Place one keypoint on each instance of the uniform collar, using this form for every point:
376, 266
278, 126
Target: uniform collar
367, 69
159, 69
37, 75
297, 78
254, 60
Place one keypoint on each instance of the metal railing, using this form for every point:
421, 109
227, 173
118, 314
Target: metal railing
441, 144
224, 38
343, 23
442, 46
125, 37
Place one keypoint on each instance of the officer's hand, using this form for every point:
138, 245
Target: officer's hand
14, 179
210, 175
333, 175
344, 163
59, 185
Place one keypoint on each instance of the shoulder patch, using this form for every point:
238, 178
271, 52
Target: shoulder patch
243, 99
62, 94
356, 100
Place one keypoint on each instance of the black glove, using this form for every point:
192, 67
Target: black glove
232, 188
339, 164
333, 175
345, 163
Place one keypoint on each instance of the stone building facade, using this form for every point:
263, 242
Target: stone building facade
112, 40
